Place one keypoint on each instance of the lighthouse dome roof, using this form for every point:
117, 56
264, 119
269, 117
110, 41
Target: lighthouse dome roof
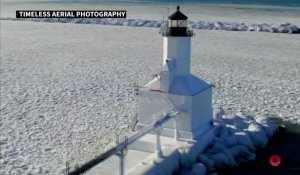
178, 15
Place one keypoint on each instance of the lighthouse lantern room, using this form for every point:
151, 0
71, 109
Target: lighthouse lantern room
175, 87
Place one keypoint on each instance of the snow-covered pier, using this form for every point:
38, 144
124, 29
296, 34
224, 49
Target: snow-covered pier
231, 140
176, 131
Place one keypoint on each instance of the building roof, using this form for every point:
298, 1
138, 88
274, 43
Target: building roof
188, 85
178, 15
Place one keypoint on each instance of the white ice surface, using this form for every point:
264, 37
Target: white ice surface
67, 89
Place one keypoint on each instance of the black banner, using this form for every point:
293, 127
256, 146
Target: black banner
70, 14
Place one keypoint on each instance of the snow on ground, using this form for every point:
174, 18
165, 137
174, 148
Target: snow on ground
67, 89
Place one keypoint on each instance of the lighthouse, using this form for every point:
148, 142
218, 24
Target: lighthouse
174, 87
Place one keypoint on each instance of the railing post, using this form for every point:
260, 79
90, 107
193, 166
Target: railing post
158, 145
175, 130
158, 150
121, 154
122, 166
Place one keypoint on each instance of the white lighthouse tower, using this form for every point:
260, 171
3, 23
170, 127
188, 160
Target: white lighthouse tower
175, 87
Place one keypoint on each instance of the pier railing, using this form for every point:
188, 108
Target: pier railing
120, 149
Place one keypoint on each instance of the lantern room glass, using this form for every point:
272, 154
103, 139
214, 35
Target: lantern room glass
182, 23
173, 23
178, 23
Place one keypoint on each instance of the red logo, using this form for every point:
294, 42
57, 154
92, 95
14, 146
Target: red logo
275, 160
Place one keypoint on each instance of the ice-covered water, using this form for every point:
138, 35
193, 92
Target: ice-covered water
55, 92
240, 13
65, 93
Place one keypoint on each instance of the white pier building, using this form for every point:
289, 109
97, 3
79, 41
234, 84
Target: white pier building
176, 87
174, 115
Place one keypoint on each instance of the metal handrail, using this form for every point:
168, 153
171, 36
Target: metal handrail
123, 145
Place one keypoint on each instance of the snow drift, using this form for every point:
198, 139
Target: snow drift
236, 139
233, 140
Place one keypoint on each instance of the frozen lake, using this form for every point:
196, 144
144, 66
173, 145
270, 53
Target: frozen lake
67, 89
253, 13
65, 99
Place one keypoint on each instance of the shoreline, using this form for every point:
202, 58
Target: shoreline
231, 13
264, 27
